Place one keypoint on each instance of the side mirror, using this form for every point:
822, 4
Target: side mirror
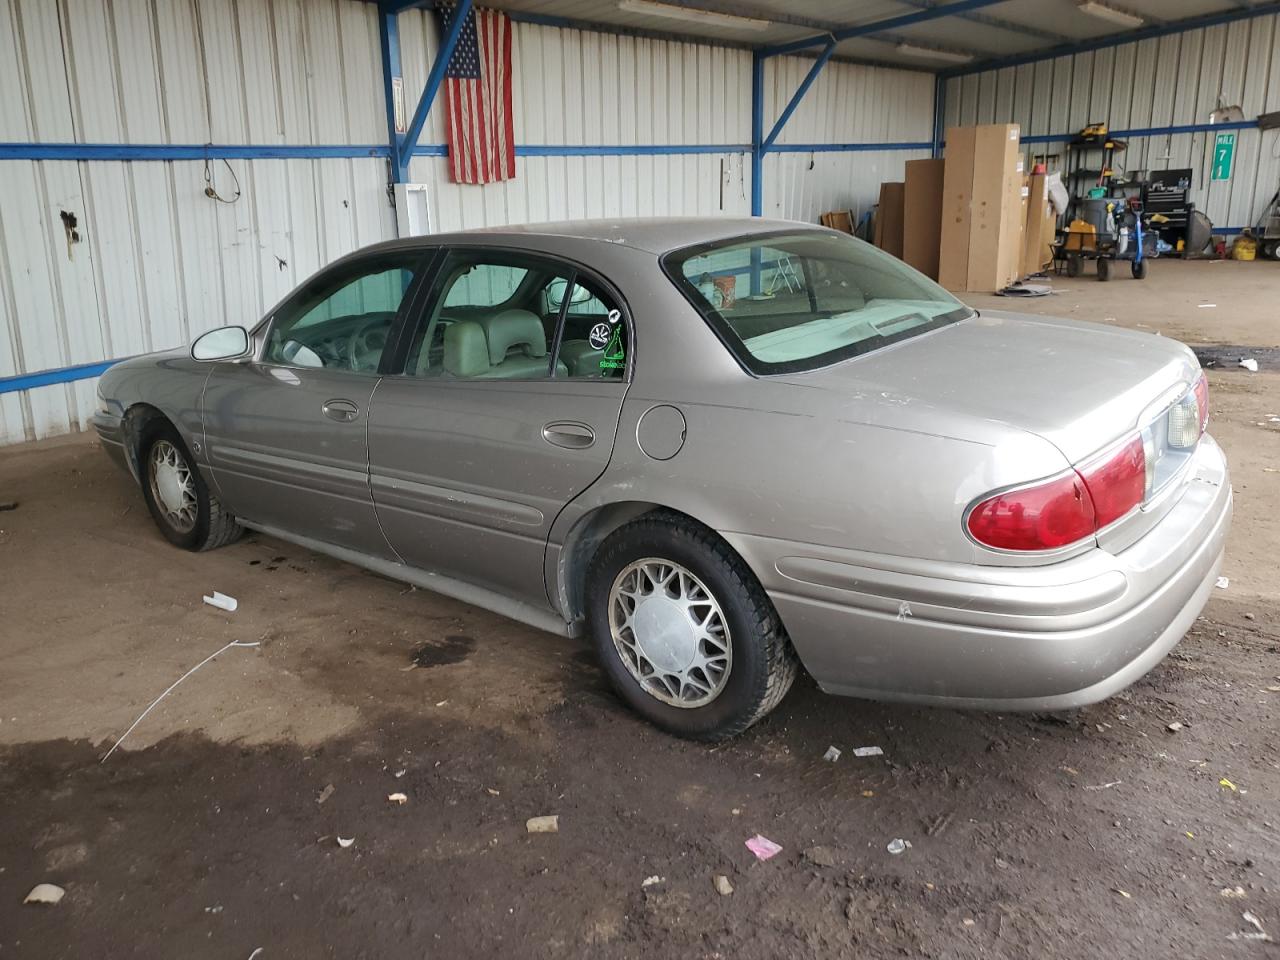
224, 343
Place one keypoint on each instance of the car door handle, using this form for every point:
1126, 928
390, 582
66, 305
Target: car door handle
344, 411
570, 434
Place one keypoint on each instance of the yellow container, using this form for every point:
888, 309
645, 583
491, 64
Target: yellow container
1244, 248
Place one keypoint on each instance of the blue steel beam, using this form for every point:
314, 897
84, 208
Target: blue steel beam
389, 38
892, 23
794, 102
757, 135
1117, 39
939, 114
434, 80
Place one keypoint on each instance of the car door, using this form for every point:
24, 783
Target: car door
505, 408
286, 430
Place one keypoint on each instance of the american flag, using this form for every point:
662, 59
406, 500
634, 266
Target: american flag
477, 86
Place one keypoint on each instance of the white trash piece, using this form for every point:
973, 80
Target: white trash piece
1250, 364
868, 752
222, 602
1222, 583
898, 845
832, 754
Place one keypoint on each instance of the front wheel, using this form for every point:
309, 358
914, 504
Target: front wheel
184, 509
684, 631
1139, 269
1104, 269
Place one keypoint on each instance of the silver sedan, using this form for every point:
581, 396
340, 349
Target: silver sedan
720, 449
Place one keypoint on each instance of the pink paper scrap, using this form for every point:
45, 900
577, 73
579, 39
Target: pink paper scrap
763, 847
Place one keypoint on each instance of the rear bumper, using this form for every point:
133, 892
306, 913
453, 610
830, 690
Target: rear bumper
1008, 638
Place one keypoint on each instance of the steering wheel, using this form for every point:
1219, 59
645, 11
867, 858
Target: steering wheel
364, 349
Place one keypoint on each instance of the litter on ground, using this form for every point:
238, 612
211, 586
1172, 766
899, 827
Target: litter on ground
898, 845
397, 798
868, 752
45, 893
763, 847
832, 754
548, 824
222, 601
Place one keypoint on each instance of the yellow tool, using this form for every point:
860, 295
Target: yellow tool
1094, 130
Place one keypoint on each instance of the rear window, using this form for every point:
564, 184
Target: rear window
798, 301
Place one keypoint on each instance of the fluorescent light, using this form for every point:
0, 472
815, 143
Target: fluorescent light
1102, 11
950, 56
707, 18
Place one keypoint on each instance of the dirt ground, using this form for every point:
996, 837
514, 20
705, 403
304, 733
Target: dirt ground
213, 831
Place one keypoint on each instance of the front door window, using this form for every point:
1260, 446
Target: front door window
342, 320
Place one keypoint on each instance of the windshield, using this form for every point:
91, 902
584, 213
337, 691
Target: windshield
788, 302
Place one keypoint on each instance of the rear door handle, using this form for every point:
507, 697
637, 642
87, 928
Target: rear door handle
344, 411
569, 434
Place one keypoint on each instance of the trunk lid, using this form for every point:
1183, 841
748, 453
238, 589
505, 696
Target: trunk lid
1078, 385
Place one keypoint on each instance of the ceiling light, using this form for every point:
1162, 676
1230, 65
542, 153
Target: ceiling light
707, 18
950, 56
1102, 11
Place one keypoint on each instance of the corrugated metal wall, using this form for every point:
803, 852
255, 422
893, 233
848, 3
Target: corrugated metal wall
157, 261
1168, 81
591, 89
847, 104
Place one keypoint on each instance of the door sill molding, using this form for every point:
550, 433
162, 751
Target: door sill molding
483, 597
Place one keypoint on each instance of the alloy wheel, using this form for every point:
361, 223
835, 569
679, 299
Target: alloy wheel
670, 632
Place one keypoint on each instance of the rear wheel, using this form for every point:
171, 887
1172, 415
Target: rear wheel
1075, 263
684, 631
184, 509
1104, 269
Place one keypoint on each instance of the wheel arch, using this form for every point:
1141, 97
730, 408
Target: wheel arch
591, 530
138, 421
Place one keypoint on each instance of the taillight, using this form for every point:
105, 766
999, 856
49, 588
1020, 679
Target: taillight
1202, 402
1042, 517
1063, 511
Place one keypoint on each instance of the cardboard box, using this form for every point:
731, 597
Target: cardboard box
922, 215
982, 212
1037, 240
889, 219
957, 195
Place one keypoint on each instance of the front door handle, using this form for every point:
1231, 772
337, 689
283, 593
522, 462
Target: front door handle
344, 411
570, 434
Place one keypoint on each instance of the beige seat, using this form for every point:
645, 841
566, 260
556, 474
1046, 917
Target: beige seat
509, 345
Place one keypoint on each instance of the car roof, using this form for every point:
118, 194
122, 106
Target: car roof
657, 235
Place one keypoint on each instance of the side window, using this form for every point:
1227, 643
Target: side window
342, 320
594, 343
488, 320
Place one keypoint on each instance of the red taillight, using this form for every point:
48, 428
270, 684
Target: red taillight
1202, 402
1118, 483
1063, 511
1050, 515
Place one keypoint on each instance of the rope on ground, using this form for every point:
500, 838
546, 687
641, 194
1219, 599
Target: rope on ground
141, 716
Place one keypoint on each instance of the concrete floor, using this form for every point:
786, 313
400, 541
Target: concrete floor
1064, 835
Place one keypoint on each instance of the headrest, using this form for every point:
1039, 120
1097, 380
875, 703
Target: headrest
465, 353
515, 328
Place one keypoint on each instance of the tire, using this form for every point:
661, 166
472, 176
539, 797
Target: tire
1139, 269
1271, 250
1104, 269
202, 523
761, 663
1075, 264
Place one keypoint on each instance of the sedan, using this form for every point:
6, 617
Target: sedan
717, 448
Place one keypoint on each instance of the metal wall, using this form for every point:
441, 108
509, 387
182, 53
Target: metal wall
144, 260
157, 261
850, 105
1169, 81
